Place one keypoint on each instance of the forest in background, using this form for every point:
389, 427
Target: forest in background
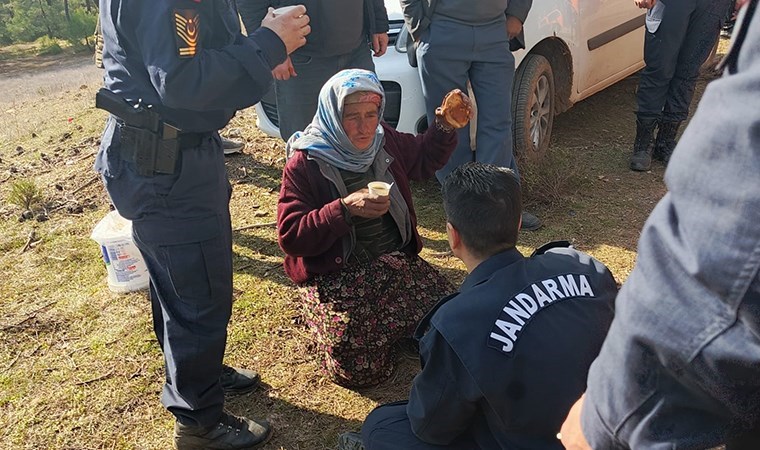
48, 22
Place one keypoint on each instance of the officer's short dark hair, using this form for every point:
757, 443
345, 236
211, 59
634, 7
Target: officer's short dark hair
483, 202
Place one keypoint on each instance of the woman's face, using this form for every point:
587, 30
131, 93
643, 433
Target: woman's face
360, 122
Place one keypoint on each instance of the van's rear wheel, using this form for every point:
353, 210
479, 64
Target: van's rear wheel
533, 108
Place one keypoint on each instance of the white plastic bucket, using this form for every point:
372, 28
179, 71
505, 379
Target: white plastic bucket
127, 271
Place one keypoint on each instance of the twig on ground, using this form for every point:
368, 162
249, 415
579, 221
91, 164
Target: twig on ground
89, 182
256, 225
93, 380
12, 363
82, 158
32, 236
31, 315
266, 272
9, 366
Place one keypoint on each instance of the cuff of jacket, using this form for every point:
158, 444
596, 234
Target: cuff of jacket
336, 220
594, 428
519, 9
271, 46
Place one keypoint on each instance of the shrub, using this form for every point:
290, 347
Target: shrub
48, 46
550, 180
25, 194
80, 30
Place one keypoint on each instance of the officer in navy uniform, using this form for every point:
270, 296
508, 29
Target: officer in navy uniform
504, 359
175, 72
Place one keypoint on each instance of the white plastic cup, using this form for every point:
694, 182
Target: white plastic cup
284, 10
379, 188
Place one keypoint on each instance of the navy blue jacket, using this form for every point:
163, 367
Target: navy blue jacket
505, 358
188, 58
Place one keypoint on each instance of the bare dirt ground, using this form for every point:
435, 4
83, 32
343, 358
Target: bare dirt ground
33, 77
79, 365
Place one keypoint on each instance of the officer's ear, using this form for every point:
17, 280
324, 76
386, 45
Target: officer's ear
454, 238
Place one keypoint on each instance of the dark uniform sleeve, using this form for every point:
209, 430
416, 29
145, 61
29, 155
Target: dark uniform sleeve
381, 17
414, 16
233, 76
443, 400
253, 12
519, 9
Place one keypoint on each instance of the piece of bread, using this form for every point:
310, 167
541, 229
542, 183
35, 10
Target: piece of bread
455, 109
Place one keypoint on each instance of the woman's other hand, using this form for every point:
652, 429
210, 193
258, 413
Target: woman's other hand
363, 204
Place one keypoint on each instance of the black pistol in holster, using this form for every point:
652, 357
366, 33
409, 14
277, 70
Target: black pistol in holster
146, 140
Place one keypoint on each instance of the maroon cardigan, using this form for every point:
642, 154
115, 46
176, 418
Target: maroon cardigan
310, 220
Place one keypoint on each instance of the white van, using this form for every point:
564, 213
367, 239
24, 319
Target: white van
574, 48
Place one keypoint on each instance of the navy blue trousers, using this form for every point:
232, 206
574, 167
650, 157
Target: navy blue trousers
181, 224
387, 427
674, 54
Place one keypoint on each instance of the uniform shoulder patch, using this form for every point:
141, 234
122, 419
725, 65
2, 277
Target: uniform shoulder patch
187, 28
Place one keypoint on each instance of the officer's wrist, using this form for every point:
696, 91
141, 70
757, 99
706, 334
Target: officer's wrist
272, 47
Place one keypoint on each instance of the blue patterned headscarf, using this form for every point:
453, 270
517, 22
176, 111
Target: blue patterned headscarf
325, 138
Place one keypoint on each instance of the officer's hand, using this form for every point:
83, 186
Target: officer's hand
363, 204
379, 44
292, 27
571, 433
514, 26
645, 3
284, 71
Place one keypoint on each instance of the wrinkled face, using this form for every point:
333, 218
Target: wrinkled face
360, 122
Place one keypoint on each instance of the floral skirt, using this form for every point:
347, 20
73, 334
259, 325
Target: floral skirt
357, 315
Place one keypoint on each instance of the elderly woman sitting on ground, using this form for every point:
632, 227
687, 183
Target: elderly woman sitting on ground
352, 252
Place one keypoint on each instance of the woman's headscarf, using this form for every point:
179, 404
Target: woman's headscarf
325, 138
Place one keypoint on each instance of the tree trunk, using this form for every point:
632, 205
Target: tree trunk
44, 17
66, 10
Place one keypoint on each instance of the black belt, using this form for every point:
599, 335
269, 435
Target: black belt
184, 139
191, 140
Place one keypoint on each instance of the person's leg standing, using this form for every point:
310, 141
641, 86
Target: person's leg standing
662, 45
700, 37
181, 226
444, 57
491, 76
360, 58
297, 97
661, 50
192, 258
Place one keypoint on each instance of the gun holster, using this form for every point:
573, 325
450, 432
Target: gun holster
146, 140
150, 152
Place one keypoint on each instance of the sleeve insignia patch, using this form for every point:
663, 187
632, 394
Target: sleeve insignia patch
187, 24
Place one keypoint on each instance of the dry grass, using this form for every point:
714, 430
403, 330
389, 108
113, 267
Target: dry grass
79, 366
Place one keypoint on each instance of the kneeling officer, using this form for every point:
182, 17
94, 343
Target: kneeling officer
506, 357
175, 72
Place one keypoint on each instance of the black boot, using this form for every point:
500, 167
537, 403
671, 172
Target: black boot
666, 141
641, 160
229, 433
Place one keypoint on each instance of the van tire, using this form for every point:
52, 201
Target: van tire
533, 99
